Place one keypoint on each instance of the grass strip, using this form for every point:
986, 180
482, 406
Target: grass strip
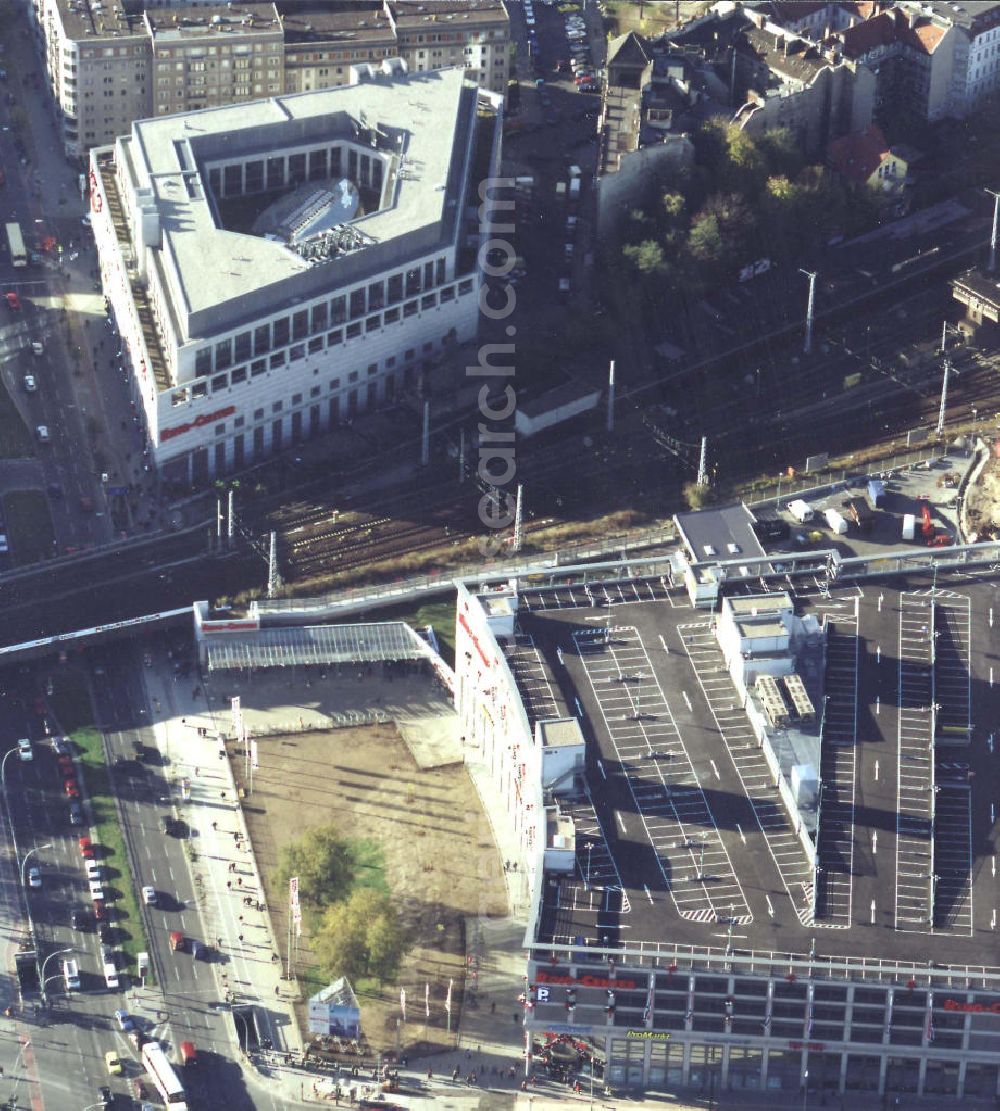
71, 704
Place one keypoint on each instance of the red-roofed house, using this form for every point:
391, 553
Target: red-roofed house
865, 158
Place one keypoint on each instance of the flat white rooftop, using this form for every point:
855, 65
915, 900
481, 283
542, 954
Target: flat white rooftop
416, 117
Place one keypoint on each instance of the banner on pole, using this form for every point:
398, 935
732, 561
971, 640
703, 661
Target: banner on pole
447, 998
402, 1002
253, 753
293, 892
427, 1000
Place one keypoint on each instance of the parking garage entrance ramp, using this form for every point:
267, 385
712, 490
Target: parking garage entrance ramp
311, 645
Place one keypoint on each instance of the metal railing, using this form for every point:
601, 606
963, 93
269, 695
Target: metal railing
351, 597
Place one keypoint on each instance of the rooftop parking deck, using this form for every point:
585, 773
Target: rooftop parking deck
685, 811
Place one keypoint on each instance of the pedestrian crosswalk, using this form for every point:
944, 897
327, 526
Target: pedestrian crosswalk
669, 800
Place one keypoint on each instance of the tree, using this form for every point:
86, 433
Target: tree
673, 207
360, 936
323, 862
705, 240
647, 257
695, 495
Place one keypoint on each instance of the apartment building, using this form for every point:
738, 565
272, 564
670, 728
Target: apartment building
470, 33
277, 267
110, 63
202, 58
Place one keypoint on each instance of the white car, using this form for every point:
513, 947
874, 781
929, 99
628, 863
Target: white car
93, 870
96, 891
30, 384
149, 896
24, 749
110, 975
42, 431
34, 876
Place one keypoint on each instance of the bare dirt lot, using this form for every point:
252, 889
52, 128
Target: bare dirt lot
440, 860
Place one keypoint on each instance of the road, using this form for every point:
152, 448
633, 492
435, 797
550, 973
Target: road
149, 790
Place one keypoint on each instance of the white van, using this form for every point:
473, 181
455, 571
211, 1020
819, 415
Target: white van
909, 526
110, 975
71, 974
836, 521
801, 510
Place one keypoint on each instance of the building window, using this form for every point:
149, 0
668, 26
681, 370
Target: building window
334, 383
258, 414
353, 376
465, 286
239, 422
258, 367
412, 281
320, 316
220, 429
376, 296
333, 338
439, 275
219, 382
241, 347
373, 323
277, 406
262, 339
337, 311
239, 375
448, 293
428, 301
314, 392
372, 369
395, 289
300, 324
277, 359
223, 354
410, 308
353, 331
315, 345
199, 389
357, 303
281, 332
298, 351
391, 316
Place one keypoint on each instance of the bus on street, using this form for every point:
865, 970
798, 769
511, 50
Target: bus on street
15, 244
161, 1072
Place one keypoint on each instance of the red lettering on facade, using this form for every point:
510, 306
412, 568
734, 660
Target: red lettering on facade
198, 422
475, 640
972, 1008
544, 977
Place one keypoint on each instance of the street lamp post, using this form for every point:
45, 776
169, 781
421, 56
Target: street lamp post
996, 225
57, 953
29, 854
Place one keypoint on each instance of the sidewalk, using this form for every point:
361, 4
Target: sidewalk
222, 866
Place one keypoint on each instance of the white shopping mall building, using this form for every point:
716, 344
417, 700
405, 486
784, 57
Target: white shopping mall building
275, 268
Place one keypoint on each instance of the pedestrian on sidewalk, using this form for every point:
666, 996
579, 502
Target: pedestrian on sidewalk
455, 1074
240, 939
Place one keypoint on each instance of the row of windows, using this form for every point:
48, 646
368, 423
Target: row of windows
345, 309
258, 175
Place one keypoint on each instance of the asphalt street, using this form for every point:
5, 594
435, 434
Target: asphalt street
149, 788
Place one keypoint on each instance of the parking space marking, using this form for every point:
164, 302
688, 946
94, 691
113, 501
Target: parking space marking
915, 775
598, 595
734, 727
953, 858
662, 781
531, 675
838, 771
